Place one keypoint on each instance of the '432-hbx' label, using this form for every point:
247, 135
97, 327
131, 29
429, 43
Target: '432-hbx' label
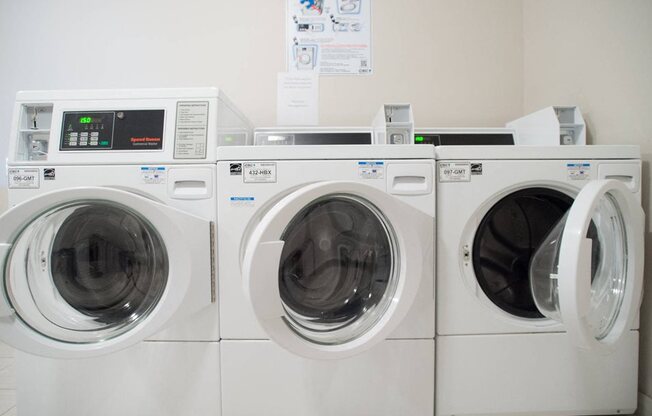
259, 172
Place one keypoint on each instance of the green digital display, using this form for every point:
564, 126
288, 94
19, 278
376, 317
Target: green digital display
418, 139
85, 120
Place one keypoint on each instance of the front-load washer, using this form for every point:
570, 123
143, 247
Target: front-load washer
326, 279
109, 241
539, 277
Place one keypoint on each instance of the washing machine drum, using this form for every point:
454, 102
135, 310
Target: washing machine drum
507, 239
93, 271
336, 273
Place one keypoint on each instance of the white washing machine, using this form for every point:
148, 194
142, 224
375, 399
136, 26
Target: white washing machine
109, 241
565, 340
326, 279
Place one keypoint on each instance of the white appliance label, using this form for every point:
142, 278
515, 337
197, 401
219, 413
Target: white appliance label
23, 178
371, 169
454, 172
259, 172
579, 171
192, 130
153, 175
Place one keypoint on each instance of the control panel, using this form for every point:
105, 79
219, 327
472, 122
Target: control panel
275, 138
112, 130
461, 138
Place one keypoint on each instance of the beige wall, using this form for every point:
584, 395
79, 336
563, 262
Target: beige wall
458, 62
598, 54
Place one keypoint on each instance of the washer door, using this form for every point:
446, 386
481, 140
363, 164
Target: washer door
332, 268
88, 271
588, 272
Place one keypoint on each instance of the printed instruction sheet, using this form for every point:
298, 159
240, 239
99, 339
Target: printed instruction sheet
329, 37
297, 99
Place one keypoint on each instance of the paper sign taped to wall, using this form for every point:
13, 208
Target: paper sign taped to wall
330, 37
297, 99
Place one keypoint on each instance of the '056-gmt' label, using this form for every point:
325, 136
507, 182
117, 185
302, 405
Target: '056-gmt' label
259, 172
23, 178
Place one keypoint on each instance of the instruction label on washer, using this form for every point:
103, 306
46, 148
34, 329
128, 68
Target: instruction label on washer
454, 172
259, 172
192, 130
23, 178
579, 171
153, 175
371, 169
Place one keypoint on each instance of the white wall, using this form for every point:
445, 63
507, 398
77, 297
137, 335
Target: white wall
458, 62
598, 54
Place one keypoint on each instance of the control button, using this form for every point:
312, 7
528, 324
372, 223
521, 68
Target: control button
95, 134
397, 138
84, 134
83, 143
73, 134
73, 143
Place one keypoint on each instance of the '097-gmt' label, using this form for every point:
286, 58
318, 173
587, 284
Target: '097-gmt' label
23, 178
259, 172
454, 172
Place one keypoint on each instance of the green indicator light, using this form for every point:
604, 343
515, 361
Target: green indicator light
228, 139
85, 120
104, 143
418, 139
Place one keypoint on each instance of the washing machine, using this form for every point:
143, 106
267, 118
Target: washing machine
108, 249
326, 279
539, 279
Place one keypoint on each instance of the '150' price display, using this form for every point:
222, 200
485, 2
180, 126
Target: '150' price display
259, 172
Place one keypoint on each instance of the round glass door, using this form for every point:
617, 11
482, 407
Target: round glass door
608, 239
86, 272
338, 273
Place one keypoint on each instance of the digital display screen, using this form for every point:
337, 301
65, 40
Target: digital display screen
89, 120
465, 139
112, 130
87, 131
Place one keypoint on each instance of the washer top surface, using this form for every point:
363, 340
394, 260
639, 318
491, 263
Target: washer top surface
538, 152
113, 94
326, 152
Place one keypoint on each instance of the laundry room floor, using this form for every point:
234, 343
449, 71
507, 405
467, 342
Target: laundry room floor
7, 382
